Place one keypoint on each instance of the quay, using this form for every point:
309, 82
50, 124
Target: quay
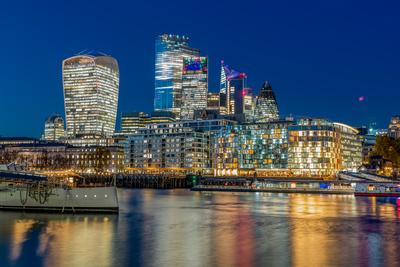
275, 186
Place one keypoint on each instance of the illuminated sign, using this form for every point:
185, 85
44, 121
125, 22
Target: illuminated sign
193, 65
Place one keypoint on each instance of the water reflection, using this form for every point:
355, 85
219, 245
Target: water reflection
181, 228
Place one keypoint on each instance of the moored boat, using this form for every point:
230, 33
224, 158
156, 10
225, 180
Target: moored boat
28, 192
377, 189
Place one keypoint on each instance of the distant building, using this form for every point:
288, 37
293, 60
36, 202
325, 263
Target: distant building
266, 106
132, 121
91, 84
194, 86
394, 127
368, 137
12, 141
54, 128
233, 91
169, 53
213, 101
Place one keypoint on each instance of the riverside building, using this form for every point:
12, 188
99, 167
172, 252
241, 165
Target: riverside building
176, 146
318, 147
303, 148
91, 84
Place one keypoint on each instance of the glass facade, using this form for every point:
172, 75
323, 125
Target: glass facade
233, 91
250, 146
91, 85
318, 147
194, 86
213, 101
266, 106
305, 148
169, 53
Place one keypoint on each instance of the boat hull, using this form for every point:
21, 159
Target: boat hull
94, 199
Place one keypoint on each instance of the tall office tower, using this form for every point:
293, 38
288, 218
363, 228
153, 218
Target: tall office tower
194, 86
54, 128
266, 106
213, 101
232, 94
222, 91
91, 85
170, 51
394, 127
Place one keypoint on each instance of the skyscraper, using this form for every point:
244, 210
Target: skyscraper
91, 84
232, 90
53, 128
266, 107
194, 86
170, 51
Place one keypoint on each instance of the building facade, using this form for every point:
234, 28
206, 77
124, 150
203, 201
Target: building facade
169, 53
131, 122
194, 86
96, 159
54, 128
303, 148
318, 147
167, 147
91, 87
213, 101
235, 96
266, 108
394, 127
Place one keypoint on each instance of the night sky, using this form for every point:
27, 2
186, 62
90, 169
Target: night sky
319, 56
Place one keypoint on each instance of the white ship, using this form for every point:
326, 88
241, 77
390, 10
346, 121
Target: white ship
24, 191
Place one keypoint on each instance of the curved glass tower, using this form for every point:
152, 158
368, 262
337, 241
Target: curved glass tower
170, 51
266, 106
91, 85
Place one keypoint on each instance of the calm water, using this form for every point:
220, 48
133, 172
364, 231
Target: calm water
182, 228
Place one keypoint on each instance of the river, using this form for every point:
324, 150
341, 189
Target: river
183, 228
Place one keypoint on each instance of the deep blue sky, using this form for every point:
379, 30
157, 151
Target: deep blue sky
319, 56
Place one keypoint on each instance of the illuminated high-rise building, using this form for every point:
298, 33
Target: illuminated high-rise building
213, 101
91, 84
170, 51
232, 91
266, 106
54, 128
194, 86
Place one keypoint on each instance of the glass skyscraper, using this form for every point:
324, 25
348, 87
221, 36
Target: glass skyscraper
266, 106
91, 84
170, 51
232, 91
194, 86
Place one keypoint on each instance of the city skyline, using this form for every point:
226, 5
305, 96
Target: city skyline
301, 75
